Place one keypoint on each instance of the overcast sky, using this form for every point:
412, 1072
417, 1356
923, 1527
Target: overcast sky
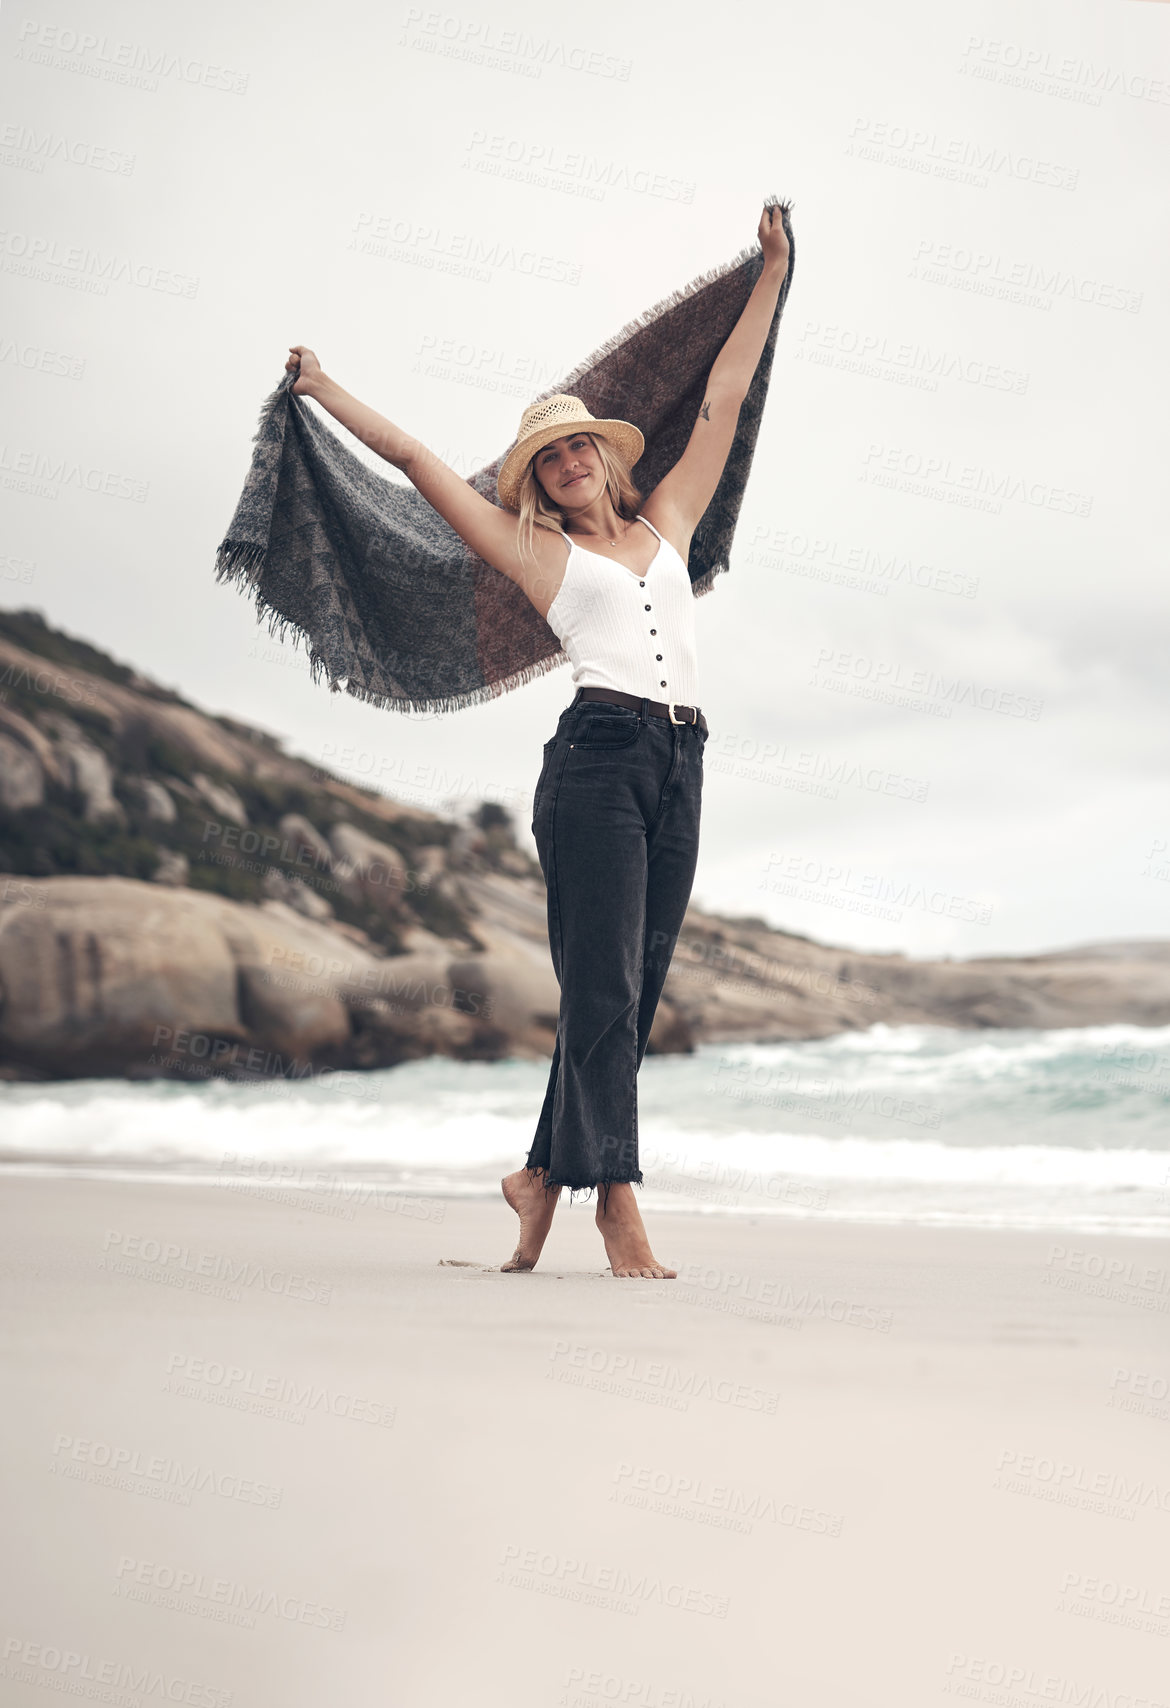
936, 675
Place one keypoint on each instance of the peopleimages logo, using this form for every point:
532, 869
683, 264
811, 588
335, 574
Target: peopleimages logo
1066, 76
33, 150
553, 166
153, 1580
968, 484
578, 1580
401, 238
992, 1679
719, 1504
962, 160
595, 1689
178, 1265
1108, 1592
37, 358
482, 43
130, 1468
67, 49
28, 253
825, 556
52, 472
628, 1370
1065, 1479
903, 360
78, 1673
1041, 282
41, 681
805, 1303
238, 1387
1147, 1284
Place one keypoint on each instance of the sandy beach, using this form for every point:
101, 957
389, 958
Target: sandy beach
261, 1451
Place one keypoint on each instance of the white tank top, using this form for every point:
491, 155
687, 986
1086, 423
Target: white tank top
635, 633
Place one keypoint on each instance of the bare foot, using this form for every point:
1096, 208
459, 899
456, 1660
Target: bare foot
534, 1205
619, 1222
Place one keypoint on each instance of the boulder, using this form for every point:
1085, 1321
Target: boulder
26, 734
511, 986
221, 798
301, 835
370, 868
275, 886
386, 1033
22, 777
106, 972
85, 768
157, 801
671, 1033
291, 1020
430, 863
173, 868
102, 976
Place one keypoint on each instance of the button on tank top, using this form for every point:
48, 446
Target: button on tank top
635, 633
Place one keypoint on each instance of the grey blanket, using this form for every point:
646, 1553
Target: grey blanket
391, 603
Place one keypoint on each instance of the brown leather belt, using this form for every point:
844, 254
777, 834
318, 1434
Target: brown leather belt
657, 708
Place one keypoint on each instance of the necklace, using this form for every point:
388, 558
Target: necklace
616, 542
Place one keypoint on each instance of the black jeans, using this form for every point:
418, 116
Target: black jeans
616, 822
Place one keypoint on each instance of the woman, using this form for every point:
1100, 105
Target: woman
617, 804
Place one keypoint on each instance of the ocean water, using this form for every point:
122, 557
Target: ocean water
1061, 1129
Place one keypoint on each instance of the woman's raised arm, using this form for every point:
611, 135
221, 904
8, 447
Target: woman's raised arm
681, 497
487, 528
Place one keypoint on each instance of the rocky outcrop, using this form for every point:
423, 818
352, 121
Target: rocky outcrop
139, 713
739, 979
109, 976
104, 772
256, 916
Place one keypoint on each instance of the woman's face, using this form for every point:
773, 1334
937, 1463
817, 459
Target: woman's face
570, 472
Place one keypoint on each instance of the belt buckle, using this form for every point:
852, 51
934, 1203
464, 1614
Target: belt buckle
670, 705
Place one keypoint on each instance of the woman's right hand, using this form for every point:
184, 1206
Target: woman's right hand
303, 362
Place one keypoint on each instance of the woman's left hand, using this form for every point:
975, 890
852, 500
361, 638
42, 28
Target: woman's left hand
773, 238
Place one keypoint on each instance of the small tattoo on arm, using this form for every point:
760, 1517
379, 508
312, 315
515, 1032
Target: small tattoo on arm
705, 411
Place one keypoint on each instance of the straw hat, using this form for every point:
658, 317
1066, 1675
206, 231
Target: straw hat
551, 419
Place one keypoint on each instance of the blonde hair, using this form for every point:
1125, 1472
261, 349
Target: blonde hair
537, 509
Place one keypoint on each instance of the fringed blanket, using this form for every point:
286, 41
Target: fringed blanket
391, 603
